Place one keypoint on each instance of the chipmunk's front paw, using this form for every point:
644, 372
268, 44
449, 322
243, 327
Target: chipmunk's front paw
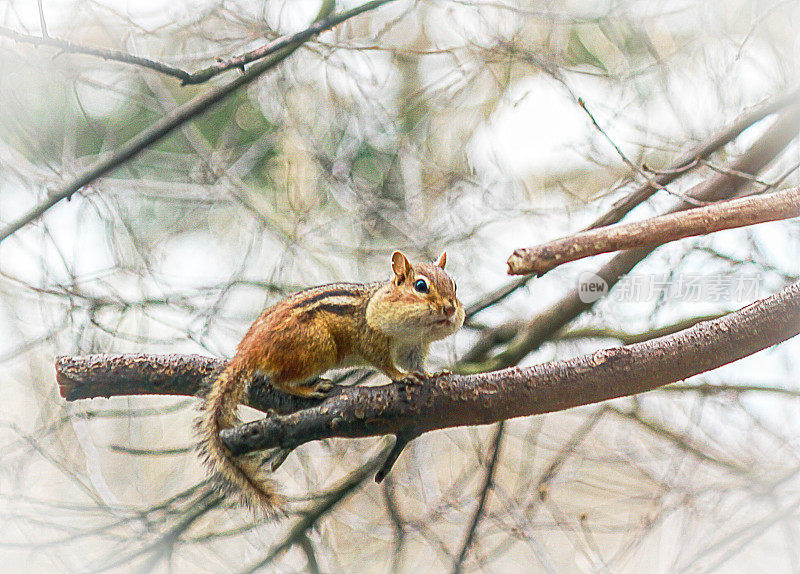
321, 389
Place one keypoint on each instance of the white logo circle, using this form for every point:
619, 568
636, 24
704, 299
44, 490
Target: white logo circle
591, 287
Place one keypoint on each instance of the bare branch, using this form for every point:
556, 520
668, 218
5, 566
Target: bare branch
733, 390
205, 74
545, 324
42, 21
106, 375
656, 231
90, 376
493, 297
634, 168
164, 126
675, 169
104, 53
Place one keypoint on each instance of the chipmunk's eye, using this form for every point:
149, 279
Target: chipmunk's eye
421, 286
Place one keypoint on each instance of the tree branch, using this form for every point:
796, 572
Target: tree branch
104, 53
656, 231
622, 207
452, 400
628, 337
165, 125
205, 74
545, 324
106, 375
91, 376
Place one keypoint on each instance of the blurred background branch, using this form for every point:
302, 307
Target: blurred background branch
322, 22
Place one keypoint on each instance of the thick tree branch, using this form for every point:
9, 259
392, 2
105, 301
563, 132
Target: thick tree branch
453, 400
656, 231
92, 376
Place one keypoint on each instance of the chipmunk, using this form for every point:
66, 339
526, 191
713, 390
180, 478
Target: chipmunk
387, 325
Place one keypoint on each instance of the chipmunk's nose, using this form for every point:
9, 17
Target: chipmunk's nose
449, 310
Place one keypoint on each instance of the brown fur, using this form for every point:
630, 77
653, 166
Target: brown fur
386, 325
238, 474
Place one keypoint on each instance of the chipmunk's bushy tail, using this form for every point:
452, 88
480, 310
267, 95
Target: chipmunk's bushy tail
239, 476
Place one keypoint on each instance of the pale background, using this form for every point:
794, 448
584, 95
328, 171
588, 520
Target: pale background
420, 126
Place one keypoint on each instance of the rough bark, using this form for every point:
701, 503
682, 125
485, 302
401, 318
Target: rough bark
456, 400
656, 231
453, 400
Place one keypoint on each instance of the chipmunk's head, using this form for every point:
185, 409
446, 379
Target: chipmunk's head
419, 303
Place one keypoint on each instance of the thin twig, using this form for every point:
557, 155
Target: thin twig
621, 154
143, 140
42, 22
629, 338
495, 296
169, 122
725, 389
202, 75
398, 523
104, 53
488, 480
563, 454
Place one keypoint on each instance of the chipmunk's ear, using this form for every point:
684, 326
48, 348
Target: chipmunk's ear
442, 261
402, 268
